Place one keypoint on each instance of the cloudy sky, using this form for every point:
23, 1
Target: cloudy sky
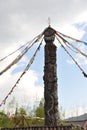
21, 21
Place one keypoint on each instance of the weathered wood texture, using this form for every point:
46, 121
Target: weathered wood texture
50, 80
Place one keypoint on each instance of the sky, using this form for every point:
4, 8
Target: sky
21, 21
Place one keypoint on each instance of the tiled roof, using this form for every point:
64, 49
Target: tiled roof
78, 118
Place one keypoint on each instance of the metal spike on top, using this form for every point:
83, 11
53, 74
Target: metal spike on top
49, 22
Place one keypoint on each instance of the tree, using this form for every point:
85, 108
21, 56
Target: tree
39, 112
20, 118
4, 120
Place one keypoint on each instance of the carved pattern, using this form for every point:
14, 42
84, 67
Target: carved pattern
50, 82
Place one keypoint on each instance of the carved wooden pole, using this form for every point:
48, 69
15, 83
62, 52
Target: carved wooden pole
50, 79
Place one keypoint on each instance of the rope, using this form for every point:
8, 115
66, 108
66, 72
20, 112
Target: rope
69, 47
85, 75
25, 70
65, 41
72, 38
20, 55
34, 40
13, 52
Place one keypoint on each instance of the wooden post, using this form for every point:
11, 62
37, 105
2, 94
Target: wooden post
50, 79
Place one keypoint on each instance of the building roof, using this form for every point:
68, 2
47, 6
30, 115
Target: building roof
78, 118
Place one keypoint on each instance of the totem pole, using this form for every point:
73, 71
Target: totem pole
50, 79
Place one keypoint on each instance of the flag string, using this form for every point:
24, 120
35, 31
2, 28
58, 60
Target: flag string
61, 38
72, 38
21, 54
65, 41
85, 75
26, 44
25, 70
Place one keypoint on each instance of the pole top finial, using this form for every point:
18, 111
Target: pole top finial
49, 21
49, 34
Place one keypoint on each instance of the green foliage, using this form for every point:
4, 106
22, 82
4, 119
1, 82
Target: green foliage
39, 112
22, 111
4, 120
20, 118
36, 121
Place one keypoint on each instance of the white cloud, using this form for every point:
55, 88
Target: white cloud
27, 88
73, 31
29, 85
22, 20
82, 18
